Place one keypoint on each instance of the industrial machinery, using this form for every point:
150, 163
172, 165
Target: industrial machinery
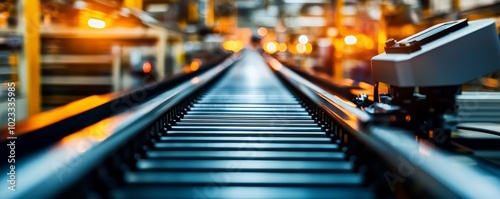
425, 72
236, 128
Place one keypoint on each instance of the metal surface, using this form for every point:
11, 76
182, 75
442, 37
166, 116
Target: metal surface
249, 178
431, 168
75, 155
255, 154
251, 128
479, 107
182, 143
240, 192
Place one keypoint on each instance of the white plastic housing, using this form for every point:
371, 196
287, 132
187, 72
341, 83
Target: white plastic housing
454, 59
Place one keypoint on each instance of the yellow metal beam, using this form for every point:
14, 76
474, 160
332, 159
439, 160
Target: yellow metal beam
161, 52
338, 68
192, 11
133, 4
31, 55
210, 10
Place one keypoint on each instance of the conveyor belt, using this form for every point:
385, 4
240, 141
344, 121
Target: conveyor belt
238, 131
247, 137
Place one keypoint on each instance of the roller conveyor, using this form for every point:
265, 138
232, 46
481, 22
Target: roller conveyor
241, 130
246, 137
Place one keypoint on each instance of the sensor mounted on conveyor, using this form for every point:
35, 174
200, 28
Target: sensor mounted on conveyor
425, 72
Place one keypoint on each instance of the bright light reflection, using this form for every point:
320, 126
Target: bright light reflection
425, 148
275, 64
350, 40
262, 31
195, 80
96, 23
332, 32
303, 39
233, 45
80, 5
301, 48
271, 47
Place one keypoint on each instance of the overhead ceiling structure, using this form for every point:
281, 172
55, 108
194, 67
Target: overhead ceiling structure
267, 13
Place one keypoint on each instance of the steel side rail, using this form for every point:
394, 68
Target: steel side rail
436, 171
47, 172
45, 128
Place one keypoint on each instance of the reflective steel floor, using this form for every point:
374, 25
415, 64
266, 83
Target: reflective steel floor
247, 137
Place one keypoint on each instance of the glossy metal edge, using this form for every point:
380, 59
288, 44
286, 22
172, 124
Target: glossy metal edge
431, 167
46, 172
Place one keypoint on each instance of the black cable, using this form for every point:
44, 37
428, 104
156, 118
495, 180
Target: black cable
375, 92
493, 132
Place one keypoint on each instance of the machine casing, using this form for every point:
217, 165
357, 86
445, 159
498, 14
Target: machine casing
454, 59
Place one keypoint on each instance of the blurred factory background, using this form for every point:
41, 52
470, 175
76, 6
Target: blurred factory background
59, 51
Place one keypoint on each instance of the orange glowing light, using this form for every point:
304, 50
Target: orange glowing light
239, 46
393, 118
292, 49
85, 138
58, 114
275, 64
309, 48
332, 32
228, 45
408, 118
301, 48
282, 47
233, 45
146, 67
186, 69
195, 65
369, 44
262, 31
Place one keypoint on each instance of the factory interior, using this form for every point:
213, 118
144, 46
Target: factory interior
250, 99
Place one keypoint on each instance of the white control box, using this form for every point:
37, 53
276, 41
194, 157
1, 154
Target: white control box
446, 54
